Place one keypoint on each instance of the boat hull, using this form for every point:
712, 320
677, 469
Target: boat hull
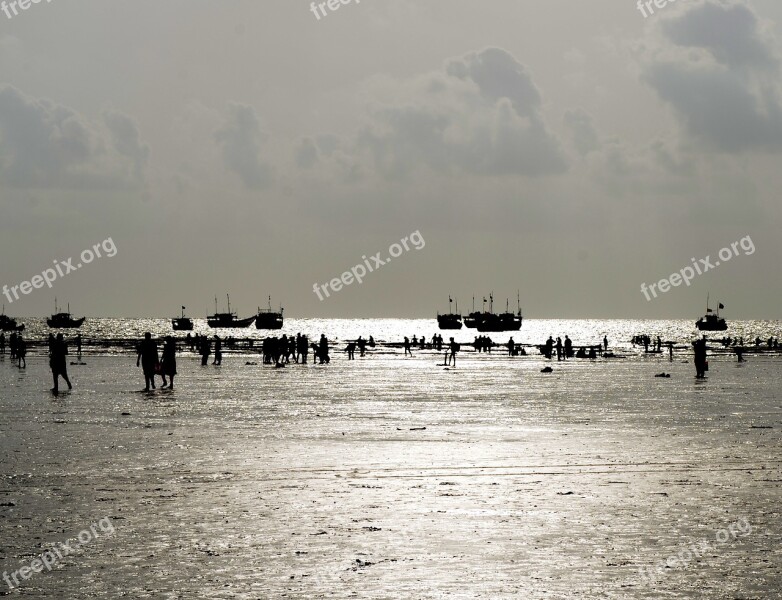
719, 326
182, 324
223, 323
65, 324
449, 322
268, 322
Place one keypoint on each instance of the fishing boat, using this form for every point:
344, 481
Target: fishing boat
64, 320
507, 321
711, 321
182, 323
451, 320
9, 324
471, 321
228, 319
267, 318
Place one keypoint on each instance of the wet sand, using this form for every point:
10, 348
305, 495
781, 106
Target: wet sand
389, 477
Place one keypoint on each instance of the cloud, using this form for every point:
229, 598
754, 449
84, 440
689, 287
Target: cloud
47, 145
582, 127
720, 74
241, 139
482, 115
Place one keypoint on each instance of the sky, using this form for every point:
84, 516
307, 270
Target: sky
563, 150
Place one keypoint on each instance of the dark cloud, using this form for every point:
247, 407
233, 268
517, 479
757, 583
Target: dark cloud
481, 116
45, 145
241, 139
724, 84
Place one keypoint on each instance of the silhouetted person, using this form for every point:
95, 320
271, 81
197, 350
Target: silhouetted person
147, 356
362, 345
58, 363
168, 366
605, 342
189, 342
511, 346
2, 344
670, 351
454, 348
351, 350
21, 351
205, 349
78, 346
699, 347
559, 349
323, 349
549, 347
407, 347
568, 348
304, 348
12, 345
218, 351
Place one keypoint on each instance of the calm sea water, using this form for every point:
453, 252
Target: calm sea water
533, 331
393, 477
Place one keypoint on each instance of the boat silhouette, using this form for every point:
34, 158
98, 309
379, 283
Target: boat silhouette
228, 319
451, 320
267, 318
711, 321
9, 324
63, 320
182, 323
507, 321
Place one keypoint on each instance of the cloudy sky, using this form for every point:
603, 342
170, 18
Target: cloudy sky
570, 150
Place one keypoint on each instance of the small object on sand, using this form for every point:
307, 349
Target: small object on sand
418, 429
546, 370
252, 364
666, 375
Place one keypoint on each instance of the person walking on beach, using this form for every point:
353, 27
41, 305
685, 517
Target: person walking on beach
511, 346
362, 346
454, 348
148, 358
205, 349
323, 349
218, 351
407, 347
559, 349
351, 350
168, 366
21, 351
58, 363
701, 364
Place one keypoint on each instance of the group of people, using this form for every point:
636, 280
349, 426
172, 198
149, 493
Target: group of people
18, 347
151, 364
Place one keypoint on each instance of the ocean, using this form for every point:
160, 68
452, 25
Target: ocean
396, 477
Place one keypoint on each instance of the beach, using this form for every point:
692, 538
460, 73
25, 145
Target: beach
393, 477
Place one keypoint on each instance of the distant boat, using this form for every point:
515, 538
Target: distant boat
182, 323
711, 321
267, 318
228, 319
63, 320
507, 321
451, 320
9, 324
471, 321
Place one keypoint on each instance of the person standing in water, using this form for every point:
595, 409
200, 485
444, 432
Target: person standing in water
407, 347
700, 357
58, 363
218, 351
148, 358
21, 351
205, 349
169, 361
454, 348
605, 343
